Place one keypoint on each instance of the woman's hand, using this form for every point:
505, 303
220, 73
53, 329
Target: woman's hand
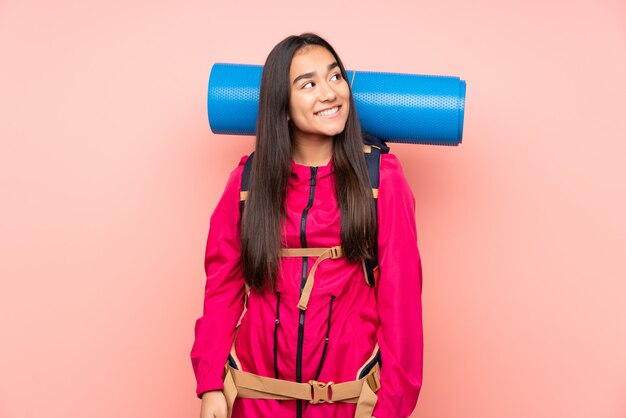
213, 405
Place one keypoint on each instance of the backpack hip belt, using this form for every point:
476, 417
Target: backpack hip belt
240, 384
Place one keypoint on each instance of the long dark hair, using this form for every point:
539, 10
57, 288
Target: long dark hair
271, 168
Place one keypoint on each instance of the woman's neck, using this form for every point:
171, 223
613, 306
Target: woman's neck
312, 153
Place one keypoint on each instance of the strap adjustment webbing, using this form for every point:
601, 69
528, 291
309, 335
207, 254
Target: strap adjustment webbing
321, 254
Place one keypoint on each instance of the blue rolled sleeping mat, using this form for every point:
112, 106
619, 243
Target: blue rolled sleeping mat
395, 107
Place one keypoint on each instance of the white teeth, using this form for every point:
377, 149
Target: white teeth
328, 112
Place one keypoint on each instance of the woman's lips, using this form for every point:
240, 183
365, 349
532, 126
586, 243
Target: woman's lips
331, 115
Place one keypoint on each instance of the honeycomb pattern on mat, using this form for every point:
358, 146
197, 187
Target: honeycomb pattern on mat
233, 98
396, 107
409, 107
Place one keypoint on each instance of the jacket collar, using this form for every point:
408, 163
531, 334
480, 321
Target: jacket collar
304, 171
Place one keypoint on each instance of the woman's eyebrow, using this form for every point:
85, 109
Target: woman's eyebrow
312, 73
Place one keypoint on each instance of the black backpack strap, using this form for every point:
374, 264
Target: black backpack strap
373, 148
245, 179
372, 158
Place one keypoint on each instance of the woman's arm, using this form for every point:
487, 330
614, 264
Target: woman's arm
399, 294
224, 290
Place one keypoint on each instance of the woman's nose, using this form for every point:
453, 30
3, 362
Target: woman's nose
327, 92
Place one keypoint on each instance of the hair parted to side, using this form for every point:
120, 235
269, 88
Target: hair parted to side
271, 168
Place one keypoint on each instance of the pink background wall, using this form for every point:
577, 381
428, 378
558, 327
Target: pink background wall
109, 174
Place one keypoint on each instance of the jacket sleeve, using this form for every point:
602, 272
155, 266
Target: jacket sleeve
224, 290
400, 335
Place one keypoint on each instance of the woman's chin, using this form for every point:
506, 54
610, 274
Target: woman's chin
333, 129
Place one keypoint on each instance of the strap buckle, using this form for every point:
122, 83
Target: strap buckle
335, 252
373, 380
321, 392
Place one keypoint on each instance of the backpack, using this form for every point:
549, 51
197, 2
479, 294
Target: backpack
373, 147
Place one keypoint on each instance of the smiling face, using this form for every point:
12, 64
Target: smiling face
317, 86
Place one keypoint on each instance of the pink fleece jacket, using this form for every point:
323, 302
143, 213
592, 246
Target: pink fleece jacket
345, 317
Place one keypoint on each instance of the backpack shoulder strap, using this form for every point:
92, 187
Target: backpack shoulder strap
245, 179
373, 147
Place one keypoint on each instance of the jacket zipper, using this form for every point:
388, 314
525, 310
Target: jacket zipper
305, 262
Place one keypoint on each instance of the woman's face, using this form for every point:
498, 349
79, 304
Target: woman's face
317, 85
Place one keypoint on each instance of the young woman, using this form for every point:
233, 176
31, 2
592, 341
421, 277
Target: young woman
310, 319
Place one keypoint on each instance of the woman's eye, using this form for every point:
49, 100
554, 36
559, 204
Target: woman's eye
310, 82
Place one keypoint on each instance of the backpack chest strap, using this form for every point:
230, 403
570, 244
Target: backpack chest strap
321, 254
